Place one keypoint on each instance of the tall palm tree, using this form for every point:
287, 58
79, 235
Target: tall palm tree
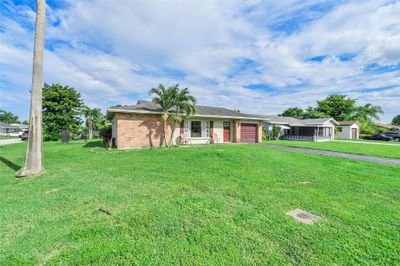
184, 106
92, 116
368, 112
33, 164
166, 99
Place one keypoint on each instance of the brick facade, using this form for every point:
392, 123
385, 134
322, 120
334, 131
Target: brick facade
140, 130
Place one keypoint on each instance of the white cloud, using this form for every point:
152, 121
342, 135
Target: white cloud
114, 51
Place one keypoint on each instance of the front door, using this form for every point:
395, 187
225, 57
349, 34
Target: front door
227, 131
354, 133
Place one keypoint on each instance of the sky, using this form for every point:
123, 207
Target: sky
260, 57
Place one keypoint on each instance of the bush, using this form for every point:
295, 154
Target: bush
276, 131
106, 135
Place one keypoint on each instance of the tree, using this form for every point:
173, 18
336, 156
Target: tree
295, 112
166, 99
184, 106
367, 112
33, 164
396, 120
169, 99
93, 117
312, 113
61, 109
339, 107
8, 117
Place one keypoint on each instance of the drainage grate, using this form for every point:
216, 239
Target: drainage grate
303, 216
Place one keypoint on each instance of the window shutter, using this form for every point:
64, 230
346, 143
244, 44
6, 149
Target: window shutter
203, 129
187, 129
207, 129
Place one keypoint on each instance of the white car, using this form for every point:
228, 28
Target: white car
13, 134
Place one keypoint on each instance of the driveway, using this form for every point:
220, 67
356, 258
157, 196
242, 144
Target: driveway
366, 142
10, 141
336, 154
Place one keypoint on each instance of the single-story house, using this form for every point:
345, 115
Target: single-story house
6, 129
141, 125
387, 126
319, 129
349, 129
21, 126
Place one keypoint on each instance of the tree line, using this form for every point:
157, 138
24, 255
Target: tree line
63, 108
10, 118
342, 108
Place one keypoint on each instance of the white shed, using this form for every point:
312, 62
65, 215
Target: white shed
348, 130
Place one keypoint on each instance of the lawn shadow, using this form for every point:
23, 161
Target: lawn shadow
10, 164
94, 144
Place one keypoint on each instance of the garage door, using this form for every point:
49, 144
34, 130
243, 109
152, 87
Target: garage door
248, 133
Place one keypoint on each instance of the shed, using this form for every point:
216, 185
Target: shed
348, 130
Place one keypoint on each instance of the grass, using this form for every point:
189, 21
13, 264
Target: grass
355, 148
5, 137
198, 205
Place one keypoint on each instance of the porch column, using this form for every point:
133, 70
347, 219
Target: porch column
260, 131
236, 131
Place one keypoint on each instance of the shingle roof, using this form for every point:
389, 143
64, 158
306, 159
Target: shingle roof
7, 125
207, 111
291, 121
346, 123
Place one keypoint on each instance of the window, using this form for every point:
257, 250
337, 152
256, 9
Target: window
339, 129
195, 129
321, 131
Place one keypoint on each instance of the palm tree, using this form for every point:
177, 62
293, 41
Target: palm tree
92, 116
33, 164
174, 102
368, 112
166, 99
8, 117
184, 106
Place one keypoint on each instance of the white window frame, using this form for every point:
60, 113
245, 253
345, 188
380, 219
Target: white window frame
205, 128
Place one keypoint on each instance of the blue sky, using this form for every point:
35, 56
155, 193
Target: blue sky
257, 56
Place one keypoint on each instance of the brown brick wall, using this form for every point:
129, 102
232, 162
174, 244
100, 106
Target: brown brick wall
140, 130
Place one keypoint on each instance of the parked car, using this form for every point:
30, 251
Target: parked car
379, 137
395, 135
24, 135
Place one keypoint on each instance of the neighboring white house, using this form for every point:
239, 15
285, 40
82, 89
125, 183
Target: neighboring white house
348, 130
319, 129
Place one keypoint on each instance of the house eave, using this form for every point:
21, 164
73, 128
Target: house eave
110, 111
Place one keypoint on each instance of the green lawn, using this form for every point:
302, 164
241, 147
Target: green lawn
210, 205
5, 137
356, 148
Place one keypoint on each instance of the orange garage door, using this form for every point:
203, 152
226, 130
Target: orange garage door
248, 133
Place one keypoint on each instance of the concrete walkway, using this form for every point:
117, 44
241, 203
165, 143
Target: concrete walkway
372, 143
336, 154
9, 141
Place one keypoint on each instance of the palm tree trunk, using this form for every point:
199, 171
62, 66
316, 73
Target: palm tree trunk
173, 130
34, 153
165, 132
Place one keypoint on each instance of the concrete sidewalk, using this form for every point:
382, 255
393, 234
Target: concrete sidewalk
336, 154
10, 141
371, 143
